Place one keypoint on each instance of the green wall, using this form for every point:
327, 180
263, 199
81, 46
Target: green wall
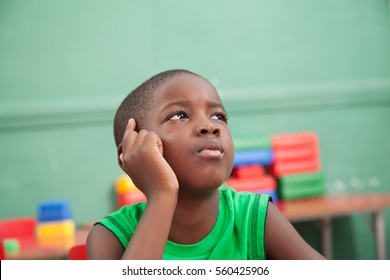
280, 66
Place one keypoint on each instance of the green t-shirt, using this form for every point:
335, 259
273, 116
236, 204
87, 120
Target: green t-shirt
239, 233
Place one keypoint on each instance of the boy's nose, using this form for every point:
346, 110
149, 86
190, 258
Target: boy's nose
208, 128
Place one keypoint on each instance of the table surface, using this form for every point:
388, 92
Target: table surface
295, 210
332, 206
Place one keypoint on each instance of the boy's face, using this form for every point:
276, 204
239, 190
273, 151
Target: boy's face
188, 115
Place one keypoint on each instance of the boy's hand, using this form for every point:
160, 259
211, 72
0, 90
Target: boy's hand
141, 157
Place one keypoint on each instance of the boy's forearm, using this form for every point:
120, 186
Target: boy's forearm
149, 239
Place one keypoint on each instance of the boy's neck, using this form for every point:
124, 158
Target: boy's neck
195, 217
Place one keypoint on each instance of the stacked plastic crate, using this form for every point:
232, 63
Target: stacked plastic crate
55, 225
17, 233
297, 165
2, 250
126, 192
252, 156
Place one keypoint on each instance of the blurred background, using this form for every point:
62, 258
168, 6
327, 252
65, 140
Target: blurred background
280, 66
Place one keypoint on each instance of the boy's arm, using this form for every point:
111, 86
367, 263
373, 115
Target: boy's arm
283, 242
150, 237
148, 240
141, 156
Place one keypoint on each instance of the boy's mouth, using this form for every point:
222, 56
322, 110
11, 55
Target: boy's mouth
212, 149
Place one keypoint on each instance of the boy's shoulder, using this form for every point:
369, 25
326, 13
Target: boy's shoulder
127, 215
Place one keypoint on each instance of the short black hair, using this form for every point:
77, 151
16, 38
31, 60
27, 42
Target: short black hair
137, 103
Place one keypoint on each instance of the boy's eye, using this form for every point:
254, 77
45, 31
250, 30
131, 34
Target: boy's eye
220, 117
179, 116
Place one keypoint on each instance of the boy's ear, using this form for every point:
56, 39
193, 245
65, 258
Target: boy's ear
119, 153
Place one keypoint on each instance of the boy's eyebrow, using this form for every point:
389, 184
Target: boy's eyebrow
180, 102
184, 103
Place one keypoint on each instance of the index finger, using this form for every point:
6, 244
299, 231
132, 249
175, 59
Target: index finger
131, 124
130, 135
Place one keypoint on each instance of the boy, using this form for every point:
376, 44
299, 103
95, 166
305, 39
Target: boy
173, 141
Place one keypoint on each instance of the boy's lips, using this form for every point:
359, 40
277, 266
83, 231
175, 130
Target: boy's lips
212, 149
